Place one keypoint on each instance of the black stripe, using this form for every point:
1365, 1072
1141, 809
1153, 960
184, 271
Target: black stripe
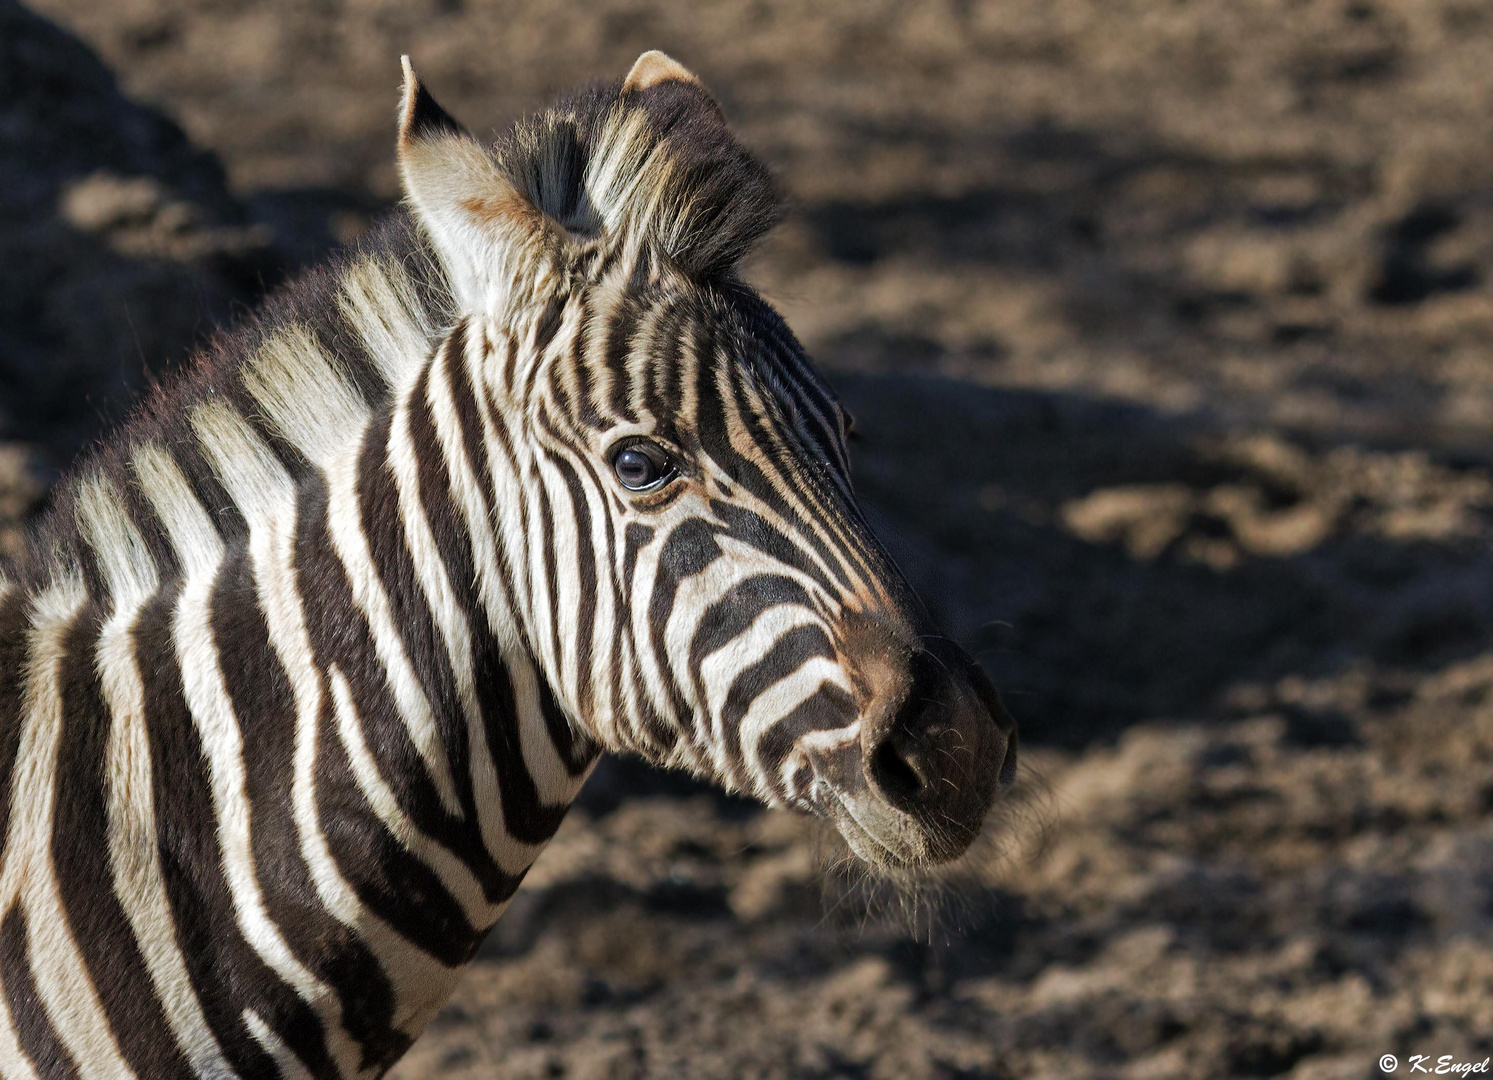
80, 842
584, 751
548, 323
782, 355
448, 528
774, 445
755, 531
226, 517
387, 878
34, 1030
585, 568
391, 883
733, 614
586, 412
615, 353
510, 358
677, 357
689, 549
151, 530
576, 749
263, 701
790, 652
447, 523
523, 817
621, 610
226, 973
827, 709
527, 819
383, 525
88, 562
551, 570
661, 736
659, 357
383, 531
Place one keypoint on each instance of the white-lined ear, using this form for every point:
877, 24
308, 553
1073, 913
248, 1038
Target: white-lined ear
470, 211
654, 67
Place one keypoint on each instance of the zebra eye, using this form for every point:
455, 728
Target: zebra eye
642, 466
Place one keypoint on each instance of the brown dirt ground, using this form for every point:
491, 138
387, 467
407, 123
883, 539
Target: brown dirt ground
1167, 325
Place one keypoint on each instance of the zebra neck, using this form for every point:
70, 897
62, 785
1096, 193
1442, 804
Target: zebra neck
293, 723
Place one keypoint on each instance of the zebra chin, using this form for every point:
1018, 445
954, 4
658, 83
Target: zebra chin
935, 748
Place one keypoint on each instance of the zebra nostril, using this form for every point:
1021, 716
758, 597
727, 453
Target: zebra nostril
899, 769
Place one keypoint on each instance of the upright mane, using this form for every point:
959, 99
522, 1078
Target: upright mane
379, 296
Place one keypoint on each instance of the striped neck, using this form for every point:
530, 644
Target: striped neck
268, 672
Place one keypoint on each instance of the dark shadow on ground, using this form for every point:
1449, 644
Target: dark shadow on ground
120, 245
974, 488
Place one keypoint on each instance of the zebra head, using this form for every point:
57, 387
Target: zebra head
675, 521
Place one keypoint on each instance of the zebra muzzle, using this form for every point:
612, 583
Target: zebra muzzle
936, 748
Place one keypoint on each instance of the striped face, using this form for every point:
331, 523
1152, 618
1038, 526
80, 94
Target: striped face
697, 583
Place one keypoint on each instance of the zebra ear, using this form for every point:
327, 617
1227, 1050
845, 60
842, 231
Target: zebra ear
671, 170
654, 67
470, 210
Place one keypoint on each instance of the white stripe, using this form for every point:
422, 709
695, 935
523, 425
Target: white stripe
557, 624
513, 857
306, 395
552, 778
378, 298
188, 527
265, 493
623, 179
134, 857
651, 680
344, 523
719, 670
200, 550
547, 625
290, 1066
62, 981
128, 570
776, 702
14, 1064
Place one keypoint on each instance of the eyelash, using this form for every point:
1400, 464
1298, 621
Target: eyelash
664, 468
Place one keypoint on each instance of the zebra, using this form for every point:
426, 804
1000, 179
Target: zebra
307, 660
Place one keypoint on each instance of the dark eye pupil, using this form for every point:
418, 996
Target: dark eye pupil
635, 469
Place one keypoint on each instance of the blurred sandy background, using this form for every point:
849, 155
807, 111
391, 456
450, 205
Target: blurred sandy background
1169, 327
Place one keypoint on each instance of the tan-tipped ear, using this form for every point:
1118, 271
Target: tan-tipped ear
654, 67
